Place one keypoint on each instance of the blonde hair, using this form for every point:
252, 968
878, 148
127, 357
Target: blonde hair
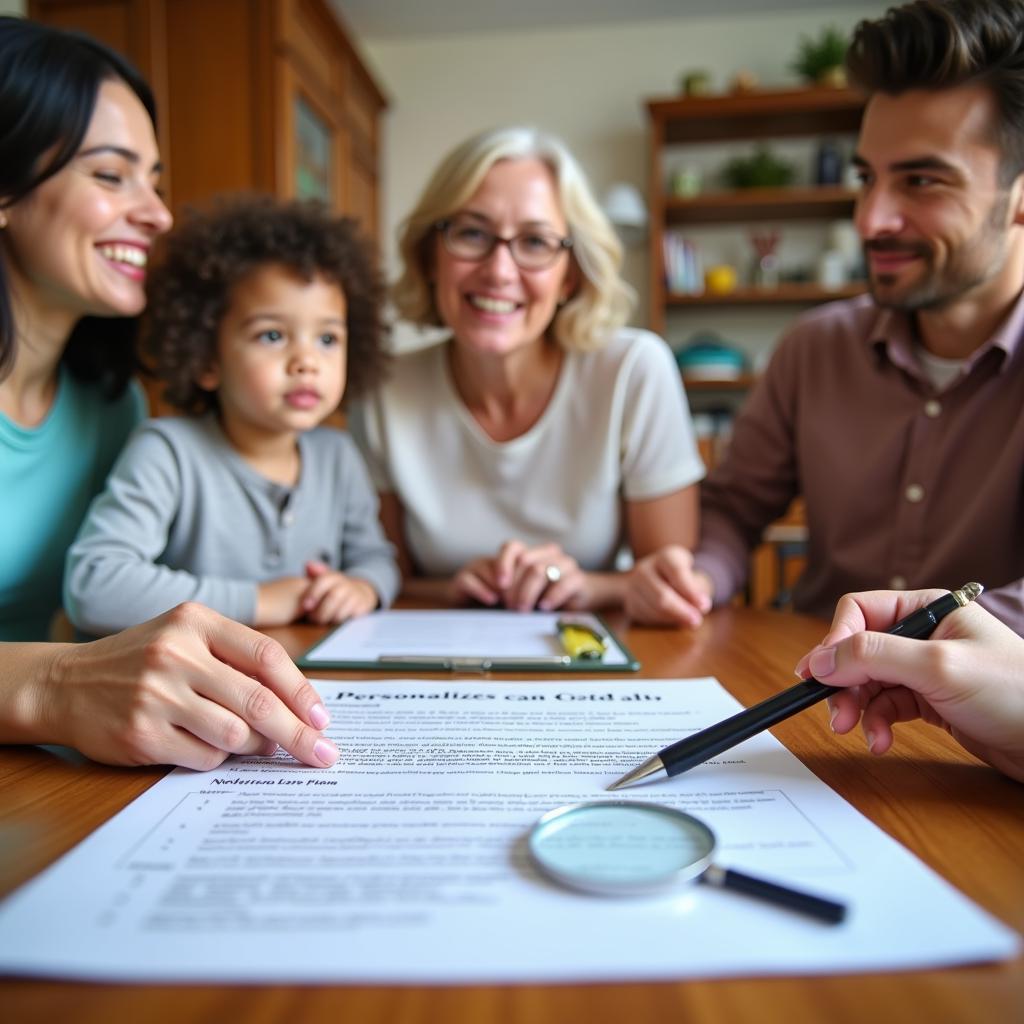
601, 301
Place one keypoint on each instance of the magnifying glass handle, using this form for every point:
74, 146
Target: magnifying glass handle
803, 902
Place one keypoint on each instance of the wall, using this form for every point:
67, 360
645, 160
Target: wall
12, 7
587, 85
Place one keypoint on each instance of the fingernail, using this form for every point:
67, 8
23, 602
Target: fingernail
318, 717
871, 741
822, 662
832, 712
325, 751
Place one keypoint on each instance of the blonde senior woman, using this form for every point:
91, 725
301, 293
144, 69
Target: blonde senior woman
516, 458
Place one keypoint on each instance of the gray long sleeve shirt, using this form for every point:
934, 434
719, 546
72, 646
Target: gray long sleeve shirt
185, 518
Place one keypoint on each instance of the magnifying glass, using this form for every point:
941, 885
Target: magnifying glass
623, 847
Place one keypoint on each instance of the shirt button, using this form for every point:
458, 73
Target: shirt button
932, 408
287, 518
898, 583
914, 493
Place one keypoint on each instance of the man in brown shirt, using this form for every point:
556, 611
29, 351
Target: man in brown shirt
900, 416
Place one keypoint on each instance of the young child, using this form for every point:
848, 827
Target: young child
257, 314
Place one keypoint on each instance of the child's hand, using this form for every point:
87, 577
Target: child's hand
279, 602
331, 597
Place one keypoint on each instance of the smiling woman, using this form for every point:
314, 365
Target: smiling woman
78, 213
550, 434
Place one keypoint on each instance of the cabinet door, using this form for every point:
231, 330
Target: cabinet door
362, 112
309, 137
310, 152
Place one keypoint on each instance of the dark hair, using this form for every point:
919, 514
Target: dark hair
49, 80
203, 259
940, 44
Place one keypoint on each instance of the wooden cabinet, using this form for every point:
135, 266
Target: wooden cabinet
253, 95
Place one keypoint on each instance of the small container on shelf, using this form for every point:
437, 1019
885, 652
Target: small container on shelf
707, 358
765, 272
720, 279
684, 267
832, 275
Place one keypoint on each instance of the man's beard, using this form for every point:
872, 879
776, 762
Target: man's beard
974, 262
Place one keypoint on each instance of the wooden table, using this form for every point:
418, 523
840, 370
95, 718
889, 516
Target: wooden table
961, 818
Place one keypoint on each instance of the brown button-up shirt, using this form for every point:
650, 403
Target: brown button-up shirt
905, 487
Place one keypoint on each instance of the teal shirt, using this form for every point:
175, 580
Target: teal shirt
48, 476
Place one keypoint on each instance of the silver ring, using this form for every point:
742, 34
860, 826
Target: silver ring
552, 573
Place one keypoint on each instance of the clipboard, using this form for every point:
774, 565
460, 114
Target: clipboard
473, 641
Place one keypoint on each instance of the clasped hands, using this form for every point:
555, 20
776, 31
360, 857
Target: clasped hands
521, 578
661, 589
323, 596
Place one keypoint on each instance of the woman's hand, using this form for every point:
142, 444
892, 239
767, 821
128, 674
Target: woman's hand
332, 597
188, 688
476, 581
968, 678
521, 578
542, 577
664, 589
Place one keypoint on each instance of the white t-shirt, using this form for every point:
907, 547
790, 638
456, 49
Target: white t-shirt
617, 427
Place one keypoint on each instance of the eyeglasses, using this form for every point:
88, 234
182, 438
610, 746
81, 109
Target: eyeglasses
467, 239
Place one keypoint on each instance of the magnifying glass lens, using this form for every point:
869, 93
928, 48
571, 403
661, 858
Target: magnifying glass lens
620, 847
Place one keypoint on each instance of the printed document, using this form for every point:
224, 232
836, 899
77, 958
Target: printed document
407, 861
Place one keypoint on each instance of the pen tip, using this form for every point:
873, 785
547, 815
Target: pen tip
968, 592
643, 771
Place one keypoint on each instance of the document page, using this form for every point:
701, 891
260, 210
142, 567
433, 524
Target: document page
407, 861
423, 635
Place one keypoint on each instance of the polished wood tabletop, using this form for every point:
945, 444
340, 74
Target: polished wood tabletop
958, 816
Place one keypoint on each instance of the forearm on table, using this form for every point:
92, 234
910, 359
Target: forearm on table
29, 676
723, 556
606, 589
104, 595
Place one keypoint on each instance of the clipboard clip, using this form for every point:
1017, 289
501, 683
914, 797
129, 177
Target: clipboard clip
581, 640
427, 662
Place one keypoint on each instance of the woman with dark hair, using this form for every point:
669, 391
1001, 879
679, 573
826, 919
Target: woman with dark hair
79, 211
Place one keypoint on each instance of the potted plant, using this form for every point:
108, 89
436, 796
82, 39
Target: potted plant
820, 60
763, 169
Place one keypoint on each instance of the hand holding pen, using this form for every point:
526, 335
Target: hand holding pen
968, 679
702, 746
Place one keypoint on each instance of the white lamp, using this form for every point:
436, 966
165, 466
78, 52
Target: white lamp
625, 208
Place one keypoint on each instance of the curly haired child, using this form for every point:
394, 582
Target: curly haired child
259, 312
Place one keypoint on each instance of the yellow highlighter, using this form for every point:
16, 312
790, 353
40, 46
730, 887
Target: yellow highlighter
581, 641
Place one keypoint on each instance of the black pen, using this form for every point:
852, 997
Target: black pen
702, 746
